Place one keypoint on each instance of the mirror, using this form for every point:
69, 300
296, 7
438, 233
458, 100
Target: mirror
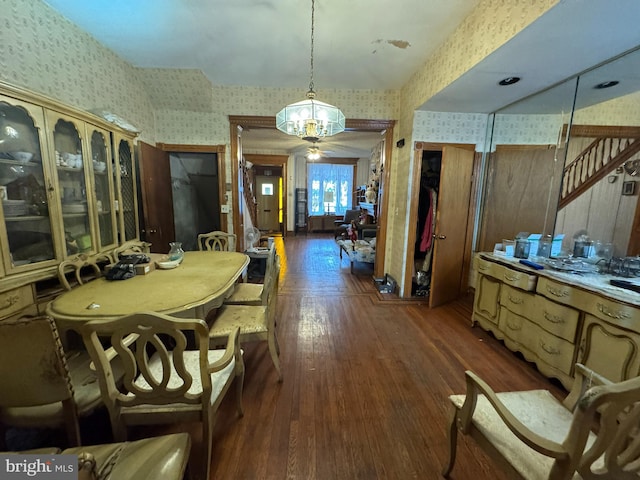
524, 160
599, 194
544, 177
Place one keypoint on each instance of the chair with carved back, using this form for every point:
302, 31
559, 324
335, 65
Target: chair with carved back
592, 434
256, 322
83, 267
42, 385
171, 375
254, 293
132, 246
217, 241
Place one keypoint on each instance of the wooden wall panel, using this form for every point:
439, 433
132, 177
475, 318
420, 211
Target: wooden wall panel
521, 193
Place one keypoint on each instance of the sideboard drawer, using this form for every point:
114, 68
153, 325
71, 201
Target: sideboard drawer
555, 318
517, 301
558, 292
624, 316
553, 350
515, 278
12, 301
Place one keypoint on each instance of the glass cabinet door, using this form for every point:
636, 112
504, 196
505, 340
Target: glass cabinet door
24, 186
71, 163
125, 170
100, 145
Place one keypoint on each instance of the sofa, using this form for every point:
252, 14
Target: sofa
164, 457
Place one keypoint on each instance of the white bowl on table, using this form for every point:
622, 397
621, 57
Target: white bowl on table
168, 264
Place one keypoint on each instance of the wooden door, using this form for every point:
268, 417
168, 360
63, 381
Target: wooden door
156, 197
451, 225
268, 202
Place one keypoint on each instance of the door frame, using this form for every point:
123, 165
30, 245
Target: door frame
219, 150
239, 122
419, 148
274, 161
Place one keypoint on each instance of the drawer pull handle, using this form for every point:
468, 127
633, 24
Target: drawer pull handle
552, 318
549, 350
513, 326
10, 301
558, 292
512, 278
483, 267
515, 300
617, 315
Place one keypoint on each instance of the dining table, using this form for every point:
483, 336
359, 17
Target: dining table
197, 285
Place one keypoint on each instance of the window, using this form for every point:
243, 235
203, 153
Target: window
267, 189
330, 188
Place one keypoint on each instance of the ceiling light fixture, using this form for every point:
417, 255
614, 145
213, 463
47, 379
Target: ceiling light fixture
313, 153
608, 84
509, 81
310, 119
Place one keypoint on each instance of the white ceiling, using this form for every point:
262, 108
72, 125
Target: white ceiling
374, 44
365, 44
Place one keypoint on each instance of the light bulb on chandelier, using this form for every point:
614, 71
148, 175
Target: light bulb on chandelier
310, 119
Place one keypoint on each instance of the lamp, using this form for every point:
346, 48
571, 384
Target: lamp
310, 119
328, 200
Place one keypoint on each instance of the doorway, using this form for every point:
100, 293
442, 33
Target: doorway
239, 123
447, 173
194, 188
183, 172
269, 202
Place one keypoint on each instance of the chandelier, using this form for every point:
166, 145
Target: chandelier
310, 119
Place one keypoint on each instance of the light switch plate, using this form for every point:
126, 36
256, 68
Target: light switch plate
224, 209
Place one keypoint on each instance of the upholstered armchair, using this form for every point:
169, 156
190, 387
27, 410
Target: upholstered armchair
343, 225
592, 434
164, 457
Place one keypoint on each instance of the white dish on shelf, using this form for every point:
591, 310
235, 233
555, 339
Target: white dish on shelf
23, 157
168, 264
74, 208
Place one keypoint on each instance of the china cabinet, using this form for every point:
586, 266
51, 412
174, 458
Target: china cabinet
67, 186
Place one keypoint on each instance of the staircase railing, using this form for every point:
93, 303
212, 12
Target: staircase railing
249, 194
594, 163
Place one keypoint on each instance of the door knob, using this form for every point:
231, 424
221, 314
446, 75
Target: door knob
439, 237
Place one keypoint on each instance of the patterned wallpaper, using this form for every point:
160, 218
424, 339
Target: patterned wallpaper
619, 111
490, 25
440, 127
42, 51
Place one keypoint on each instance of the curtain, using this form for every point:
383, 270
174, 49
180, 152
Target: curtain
330, 188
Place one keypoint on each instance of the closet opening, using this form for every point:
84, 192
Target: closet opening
426, 220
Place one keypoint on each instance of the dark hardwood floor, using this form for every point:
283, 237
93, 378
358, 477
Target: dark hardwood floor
366, 381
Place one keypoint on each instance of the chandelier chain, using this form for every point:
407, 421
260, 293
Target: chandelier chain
313, 11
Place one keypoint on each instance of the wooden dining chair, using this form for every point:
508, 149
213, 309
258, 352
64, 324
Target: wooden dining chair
217, 241
83, 269
254, 293
256, 322
41, 385
592, 434
165, 380
132, 246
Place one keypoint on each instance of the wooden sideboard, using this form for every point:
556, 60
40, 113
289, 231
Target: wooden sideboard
557, 319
